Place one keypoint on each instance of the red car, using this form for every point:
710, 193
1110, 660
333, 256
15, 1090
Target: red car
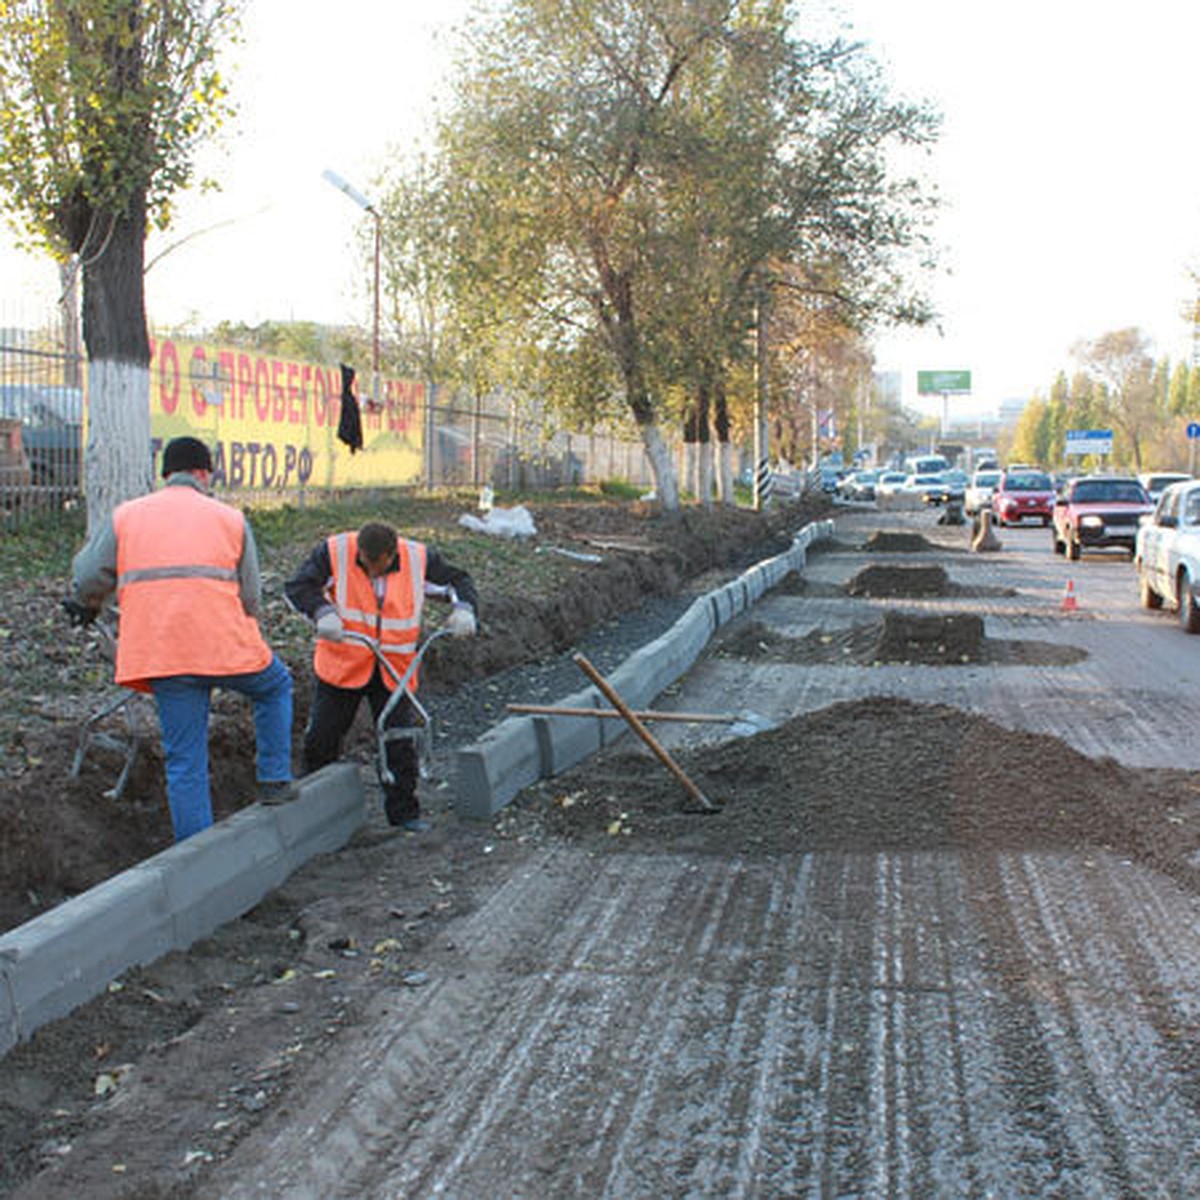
1021, 494
1098, 512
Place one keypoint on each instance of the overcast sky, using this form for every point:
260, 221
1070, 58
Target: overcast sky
1068, 166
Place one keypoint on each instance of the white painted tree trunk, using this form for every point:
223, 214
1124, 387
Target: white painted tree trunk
704, 474
118, 463
665, 479
725, 474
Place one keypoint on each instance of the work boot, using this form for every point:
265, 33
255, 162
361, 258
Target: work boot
279, 791
400, 810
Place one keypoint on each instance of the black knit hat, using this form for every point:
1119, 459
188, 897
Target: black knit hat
186, 454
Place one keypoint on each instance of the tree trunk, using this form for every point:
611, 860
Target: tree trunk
724, 450
118, 462
704, 471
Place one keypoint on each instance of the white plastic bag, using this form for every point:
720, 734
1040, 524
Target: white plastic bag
501, 522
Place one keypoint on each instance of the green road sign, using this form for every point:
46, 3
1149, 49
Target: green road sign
939, 383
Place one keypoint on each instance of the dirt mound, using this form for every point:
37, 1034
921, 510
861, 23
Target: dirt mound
874, 775
885, 542
878, 580
940, 640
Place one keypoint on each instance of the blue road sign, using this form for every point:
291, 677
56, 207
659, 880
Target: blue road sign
1193, 430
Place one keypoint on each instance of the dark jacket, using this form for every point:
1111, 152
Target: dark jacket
305, 590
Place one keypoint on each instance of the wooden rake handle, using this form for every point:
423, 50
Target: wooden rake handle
612, 696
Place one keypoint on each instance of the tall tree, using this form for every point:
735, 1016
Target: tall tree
602, 205
1121, 362
101, 105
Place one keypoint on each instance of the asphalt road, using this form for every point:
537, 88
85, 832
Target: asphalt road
896, 1024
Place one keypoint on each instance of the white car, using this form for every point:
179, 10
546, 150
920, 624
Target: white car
1157, 482
1167, 554
889, 483
978, 495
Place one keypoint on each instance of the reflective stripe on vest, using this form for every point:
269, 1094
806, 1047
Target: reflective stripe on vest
394, 627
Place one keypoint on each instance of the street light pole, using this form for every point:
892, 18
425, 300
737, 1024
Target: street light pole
350, 190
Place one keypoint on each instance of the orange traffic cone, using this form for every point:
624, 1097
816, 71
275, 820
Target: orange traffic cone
1068, 600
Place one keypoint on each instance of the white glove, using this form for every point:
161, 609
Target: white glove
461, 621
329, 626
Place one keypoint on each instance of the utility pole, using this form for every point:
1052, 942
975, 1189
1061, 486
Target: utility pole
762, 462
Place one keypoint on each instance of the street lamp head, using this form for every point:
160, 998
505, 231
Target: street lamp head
349, 189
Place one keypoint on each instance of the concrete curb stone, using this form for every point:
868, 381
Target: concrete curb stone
523, 749
59, 960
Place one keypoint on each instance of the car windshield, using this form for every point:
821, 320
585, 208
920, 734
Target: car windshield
986, 478
1108, 491
1031, 482
1156, 483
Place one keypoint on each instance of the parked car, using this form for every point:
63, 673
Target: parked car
1098, 512
1157, 482
978, 494
1167, 554
1022, 493
51, 429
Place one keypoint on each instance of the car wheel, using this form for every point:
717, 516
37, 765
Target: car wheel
1045, 522
1073, 548
1147, 595
1189, 611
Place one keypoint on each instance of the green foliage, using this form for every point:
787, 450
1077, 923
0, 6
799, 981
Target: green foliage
620, 489
42, 548
101, 105
612, 178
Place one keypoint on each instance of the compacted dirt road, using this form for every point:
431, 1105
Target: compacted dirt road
940, 940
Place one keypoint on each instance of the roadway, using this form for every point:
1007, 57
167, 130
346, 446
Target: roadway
902, 1023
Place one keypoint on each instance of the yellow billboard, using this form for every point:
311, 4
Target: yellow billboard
273, 422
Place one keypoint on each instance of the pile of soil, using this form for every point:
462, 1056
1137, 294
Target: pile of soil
875, 775
884, 541
879, 580
948, 640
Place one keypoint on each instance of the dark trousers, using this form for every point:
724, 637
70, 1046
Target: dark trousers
333, 712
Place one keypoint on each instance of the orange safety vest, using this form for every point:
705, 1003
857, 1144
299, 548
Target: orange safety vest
178, 591
394, 626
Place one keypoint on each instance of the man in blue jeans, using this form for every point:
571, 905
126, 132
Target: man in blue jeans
185, 570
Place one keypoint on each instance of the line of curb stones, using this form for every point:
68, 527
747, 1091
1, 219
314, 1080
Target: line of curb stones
57, 961
525, 748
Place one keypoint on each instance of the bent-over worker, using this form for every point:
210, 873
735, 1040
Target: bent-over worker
184, 567
372, 584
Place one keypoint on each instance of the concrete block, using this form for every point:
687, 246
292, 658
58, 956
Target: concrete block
9, 1033
66, 956
565, 741
491, 771
331, 808
221, 873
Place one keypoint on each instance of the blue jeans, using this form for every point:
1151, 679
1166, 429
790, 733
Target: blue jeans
183, 706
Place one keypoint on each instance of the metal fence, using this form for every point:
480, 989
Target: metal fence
41, 422
466, 444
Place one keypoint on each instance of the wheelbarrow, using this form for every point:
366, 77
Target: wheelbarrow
420, 733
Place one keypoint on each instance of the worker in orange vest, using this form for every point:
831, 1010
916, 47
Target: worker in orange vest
366, 591
185, 570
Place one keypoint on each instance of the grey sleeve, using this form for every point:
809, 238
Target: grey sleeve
249, 576
94, 571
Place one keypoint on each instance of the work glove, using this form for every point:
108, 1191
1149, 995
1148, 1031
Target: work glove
80, 615
329, 626
461, 621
